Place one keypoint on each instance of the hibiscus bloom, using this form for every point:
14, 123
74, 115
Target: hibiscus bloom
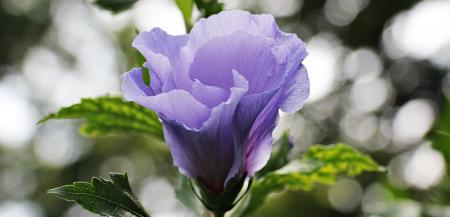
218, 90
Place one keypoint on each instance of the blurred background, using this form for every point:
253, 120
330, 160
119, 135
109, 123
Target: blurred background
378, 71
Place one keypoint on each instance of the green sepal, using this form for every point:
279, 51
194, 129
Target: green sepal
184, 193
220, 203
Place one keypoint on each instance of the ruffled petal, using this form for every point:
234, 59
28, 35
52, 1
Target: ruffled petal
177, 106
162, 52
209, 95
158, 41
249, 55
247, 112
290, 98
208, 154
296, 91
288, 46
227, 23
259, 142
133, 85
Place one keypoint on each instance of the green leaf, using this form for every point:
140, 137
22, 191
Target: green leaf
185, 194
279, 156
319, 165
115, 5
185, 7
209, 7
103, 197
110, 115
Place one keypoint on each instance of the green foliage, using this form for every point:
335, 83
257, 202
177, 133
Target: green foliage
140, 60
209, 7
440, 135
279, 156
110, 115
185, 7
115, 5
440, 138
103, 197
320, 165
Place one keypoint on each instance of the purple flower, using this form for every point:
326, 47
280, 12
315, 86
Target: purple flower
218, 90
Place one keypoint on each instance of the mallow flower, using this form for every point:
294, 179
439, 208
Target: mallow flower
218, 91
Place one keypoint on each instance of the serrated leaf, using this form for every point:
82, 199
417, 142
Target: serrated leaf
110, 115
209, 7
115, 5
319, 165
279, 155
103, 197
121, 180
185, 7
